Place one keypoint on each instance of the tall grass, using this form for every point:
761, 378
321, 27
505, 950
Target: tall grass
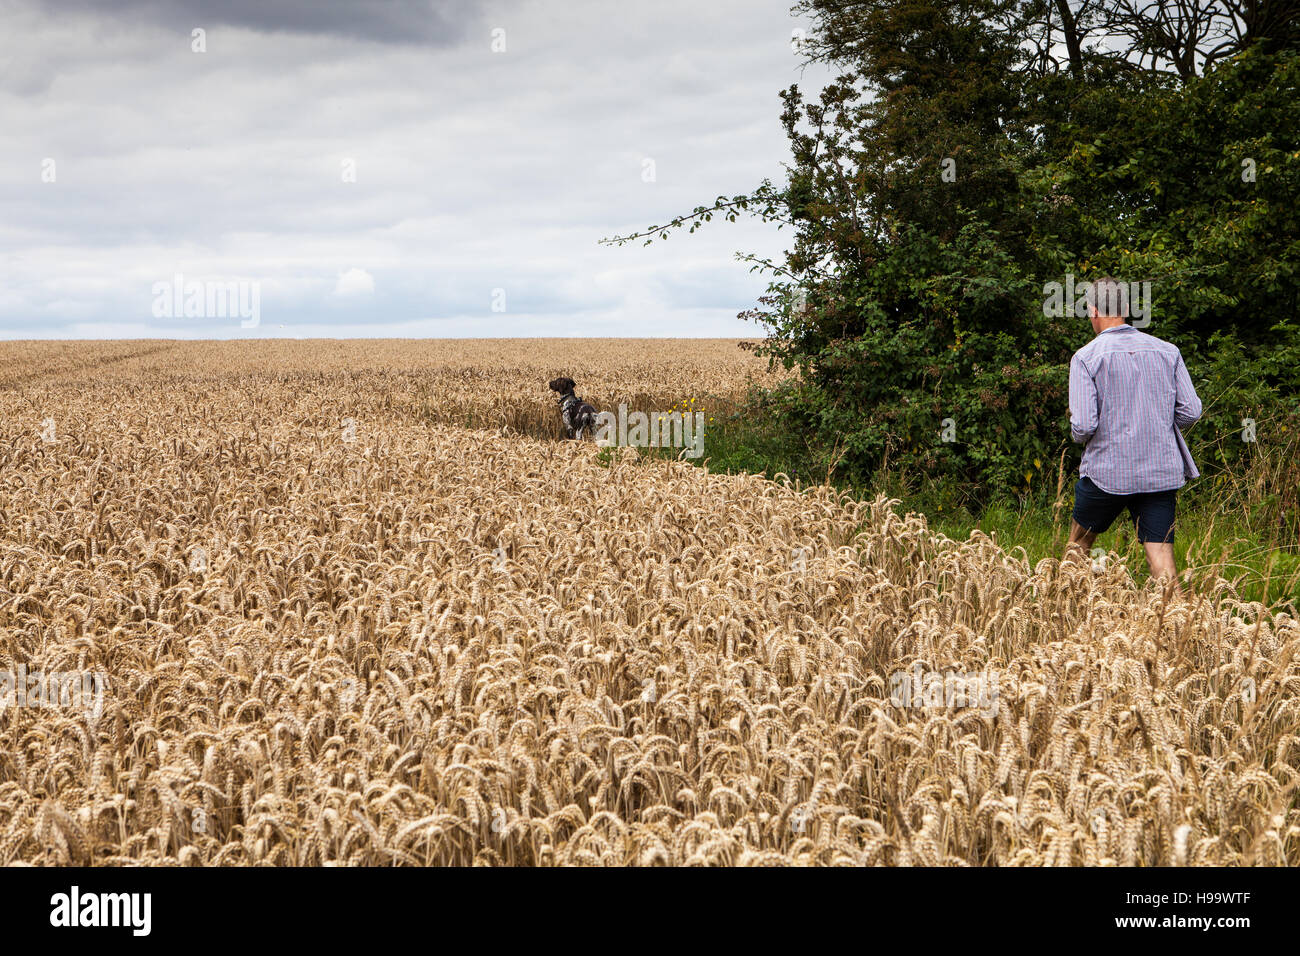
1238, 522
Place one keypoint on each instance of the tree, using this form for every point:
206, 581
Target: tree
954, 169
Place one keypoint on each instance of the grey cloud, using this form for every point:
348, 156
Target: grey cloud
473, 170
436, 23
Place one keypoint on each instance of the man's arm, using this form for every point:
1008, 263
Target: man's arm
1187, 404
1084, 415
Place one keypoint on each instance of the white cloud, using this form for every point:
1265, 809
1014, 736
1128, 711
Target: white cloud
473, 170
354, 282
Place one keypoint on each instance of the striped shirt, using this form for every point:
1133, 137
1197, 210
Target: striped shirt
1130, 395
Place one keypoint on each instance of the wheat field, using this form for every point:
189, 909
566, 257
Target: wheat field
355, 603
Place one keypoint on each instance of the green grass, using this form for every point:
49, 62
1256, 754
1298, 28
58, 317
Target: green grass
1222, 528
1207, 542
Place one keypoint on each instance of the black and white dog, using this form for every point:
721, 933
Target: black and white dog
578, 416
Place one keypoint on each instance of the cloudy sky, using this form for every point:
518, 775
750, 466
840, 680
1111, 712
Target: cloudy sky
385, 168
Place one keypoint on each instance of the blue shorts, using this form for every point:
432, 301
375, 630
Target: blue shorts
1096, 510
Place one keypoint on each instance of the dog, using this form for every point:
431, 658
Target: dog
578, 416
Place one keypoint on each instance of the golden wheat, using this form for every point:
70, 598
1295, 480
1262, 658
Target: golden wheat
337, 627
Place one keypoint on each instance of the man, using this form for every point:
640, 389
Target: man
1130, 396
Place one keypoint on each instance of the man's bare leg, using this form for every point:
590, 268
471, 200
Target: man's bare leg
1079, 547
1160, 558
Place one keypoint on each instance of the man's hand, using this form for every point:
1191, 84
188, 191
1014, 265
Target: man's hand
1084, 412
1187, 404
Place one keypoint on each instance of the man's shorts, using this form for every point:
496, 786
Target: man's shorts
1153, 511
